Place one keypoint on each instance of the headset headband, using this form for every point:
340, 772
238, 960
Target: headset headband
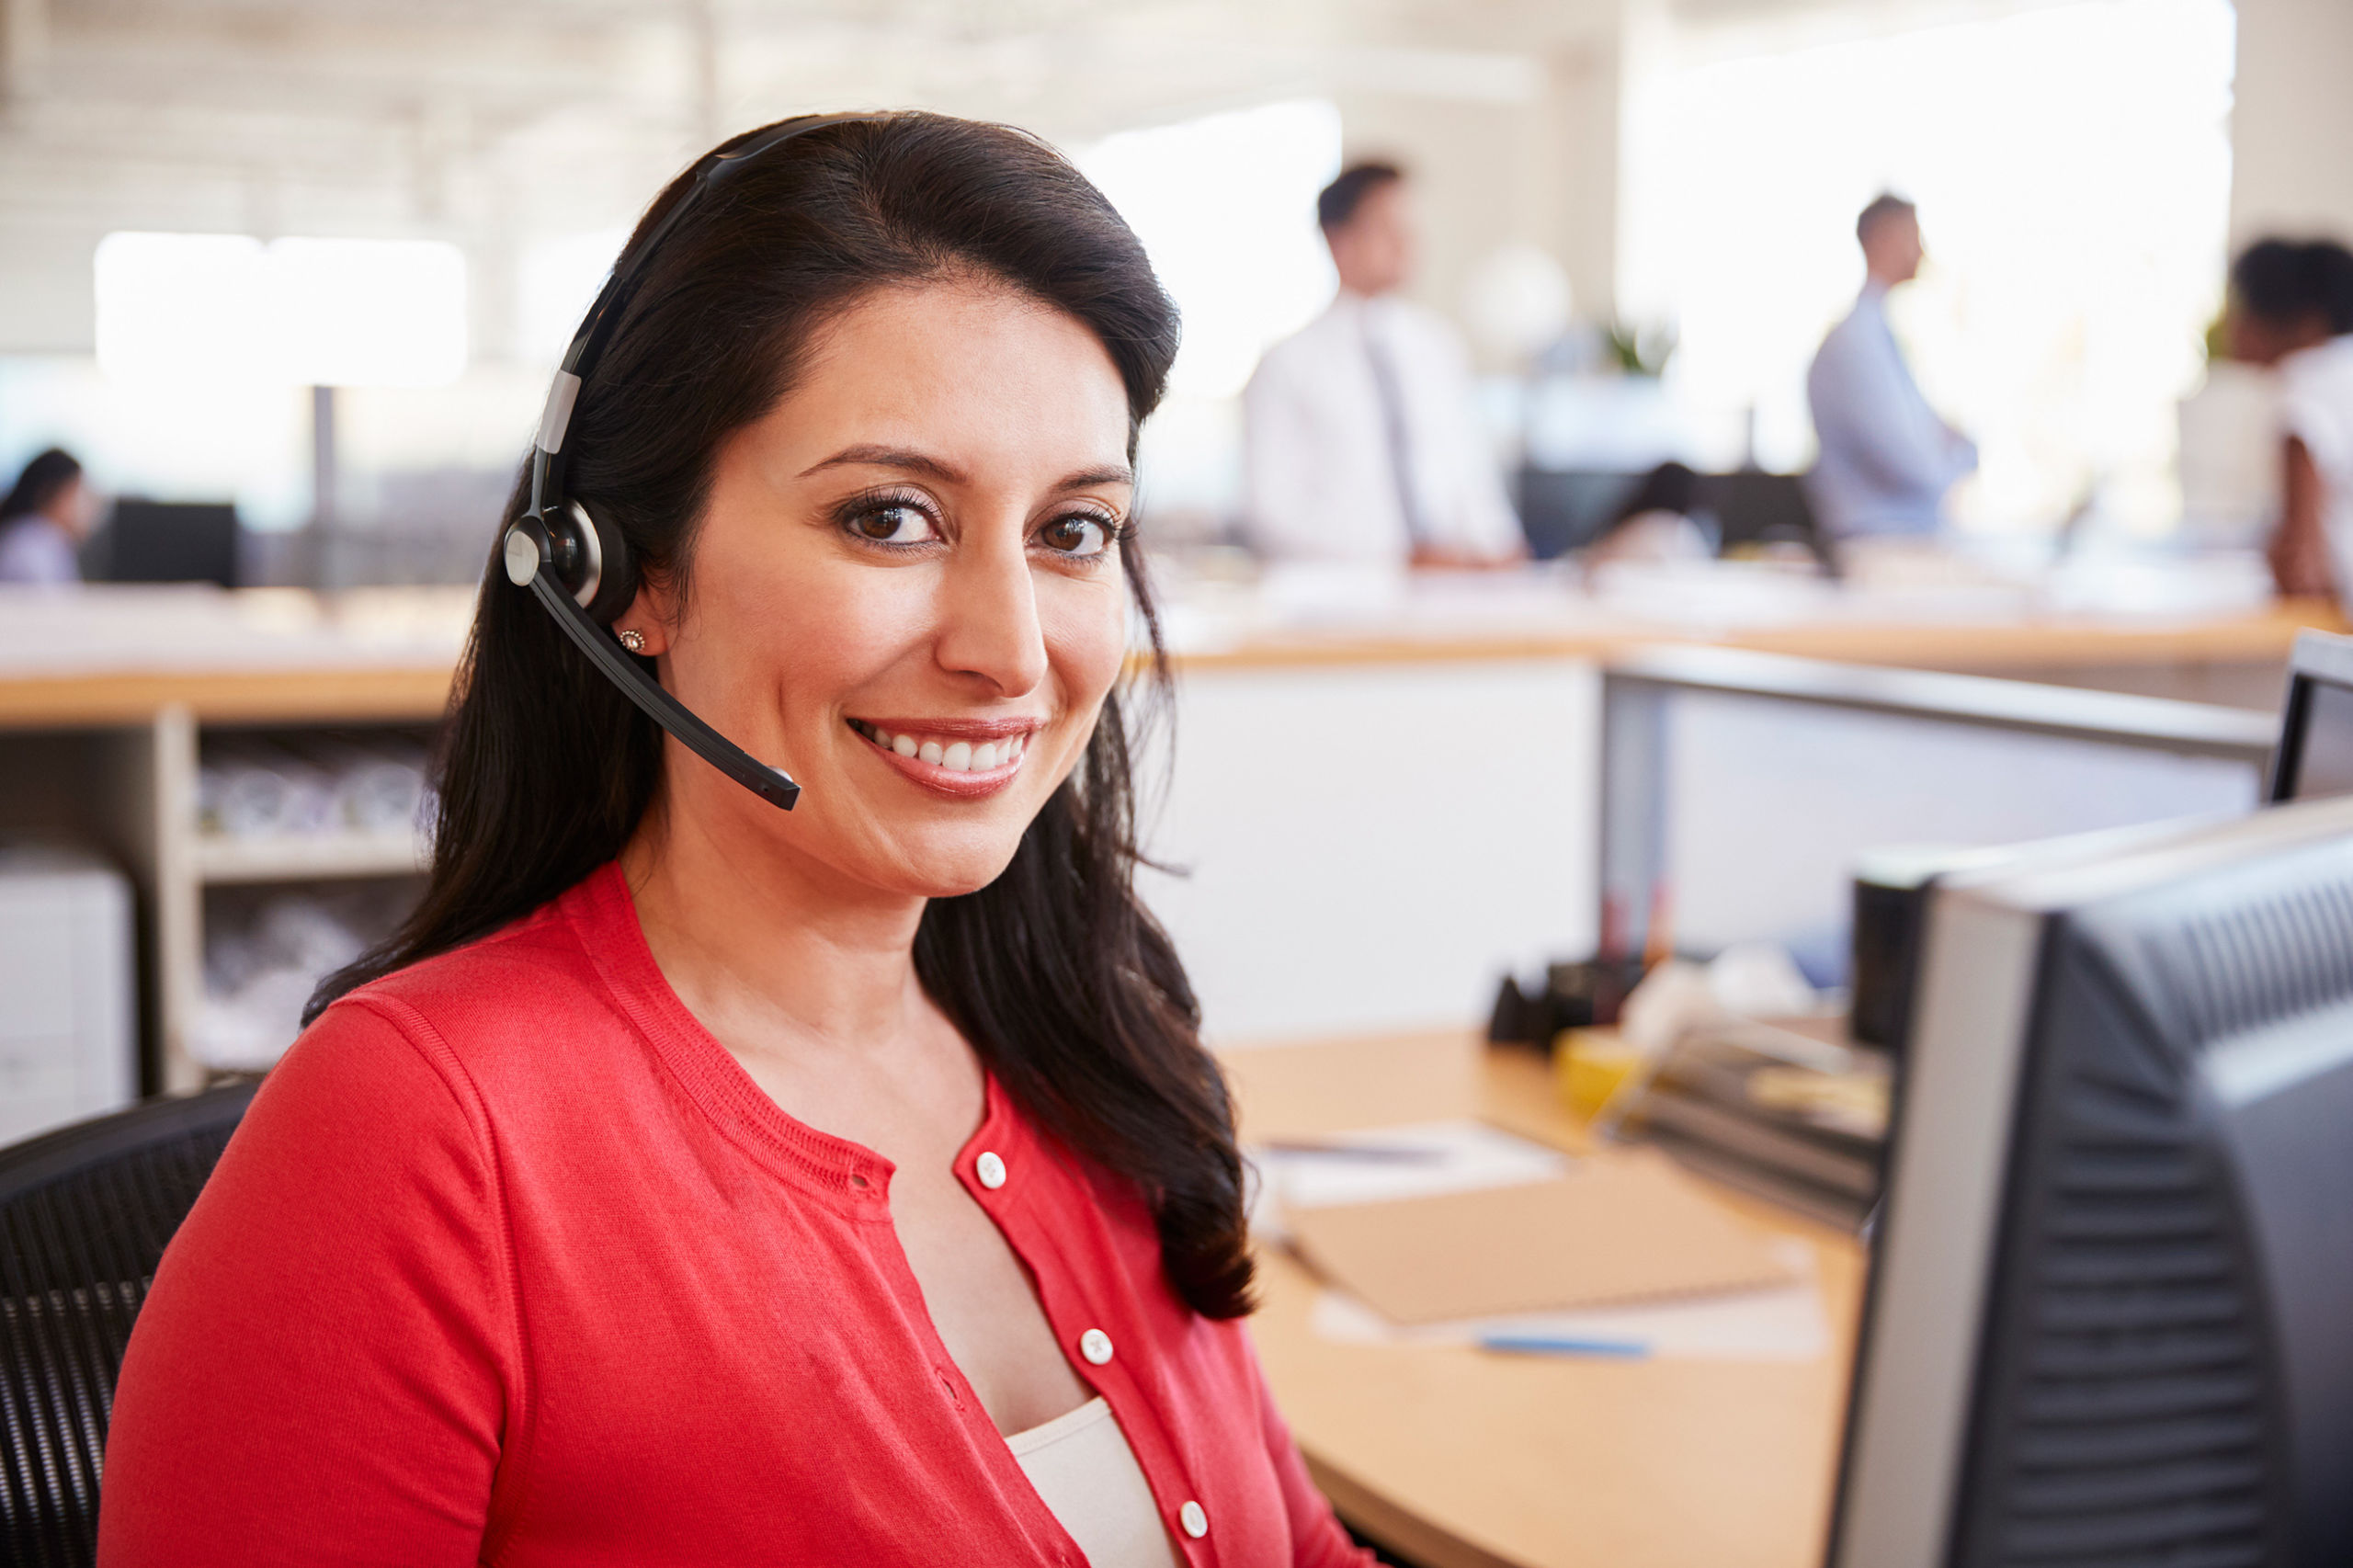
547, 456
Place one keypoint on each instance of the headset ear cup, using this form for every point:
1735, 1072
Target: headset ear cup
616, 588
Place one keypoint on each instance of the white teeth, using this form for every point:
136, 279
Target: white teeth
957, 756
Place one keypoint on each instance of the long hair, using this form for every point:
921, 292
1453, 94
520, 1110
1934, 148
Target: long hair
39, 484
1070, 991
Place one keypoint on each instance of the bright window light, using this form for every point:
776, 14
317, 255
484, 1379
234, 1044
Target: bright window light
181, 305
370, 312
301, 311
2072, 168
1225, 206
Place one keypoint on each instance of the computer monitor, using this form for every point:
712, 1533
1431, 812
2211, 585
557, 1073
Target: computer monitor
2316, 754
168, 541
1752, 507
2110, 1318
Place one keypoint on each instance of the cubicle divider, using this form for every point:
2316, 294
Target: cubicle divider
1790, 769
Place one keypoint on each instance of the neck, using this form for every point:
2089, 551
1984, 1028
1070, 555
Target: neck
771, 950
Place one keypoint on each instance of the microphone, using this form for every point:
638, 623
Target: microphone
529, 558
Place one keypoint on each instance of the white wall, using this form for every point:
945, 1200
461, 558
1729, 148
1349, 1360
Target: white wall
2292, 124
1537, 165
1372, 847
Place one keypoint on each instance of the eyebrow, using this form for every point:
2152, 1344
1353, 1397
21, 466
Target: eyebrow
909, 461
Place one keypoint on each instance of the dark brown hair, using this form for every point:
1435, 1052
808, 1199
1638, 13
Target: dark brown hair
41, 483
2292, 282
1065, 985
1337, 202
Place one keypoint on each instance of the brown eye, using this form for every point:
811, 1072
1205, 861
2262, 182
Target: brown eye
1076, 536
893, 522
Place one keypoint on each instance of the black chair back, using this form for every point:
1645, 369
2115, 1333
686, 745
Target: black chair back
85, 1214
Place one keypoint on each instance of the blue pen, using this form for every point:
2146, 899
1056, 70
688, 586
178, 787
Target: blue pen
1548, 1344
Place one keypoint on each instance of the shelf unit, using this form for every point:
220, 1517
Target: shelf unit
126, 784
320, 858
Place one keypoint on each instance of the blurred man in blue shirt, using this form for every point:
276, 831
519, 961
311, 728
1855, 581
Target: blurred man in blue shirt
1887, 458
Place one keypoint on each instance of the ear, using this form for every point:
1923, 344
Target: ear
651, 615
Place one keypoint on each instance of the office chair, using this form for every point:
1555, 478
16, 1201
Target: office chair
85, 1212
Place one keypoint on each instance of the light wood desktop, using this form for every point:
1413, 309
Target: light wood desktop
1460, 1459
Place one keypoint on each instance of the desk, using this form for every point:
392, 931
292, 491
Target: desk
1462, 1460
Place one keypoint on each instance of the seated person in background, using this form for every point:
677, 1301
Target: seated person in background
1360, 443
2292, 308
44, 520
1887, 457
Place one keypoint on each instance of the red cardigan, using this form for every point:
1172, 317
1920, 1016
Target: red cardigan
511, 1263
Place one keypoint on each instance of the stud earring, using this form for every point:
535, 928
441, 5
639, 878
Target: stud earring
633, 639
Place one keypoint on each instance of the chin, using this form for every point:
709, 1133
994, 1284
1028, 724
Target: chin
949, 866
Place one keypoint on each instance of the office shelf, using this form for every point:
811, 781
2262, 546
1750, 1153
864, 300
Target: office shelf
295, 858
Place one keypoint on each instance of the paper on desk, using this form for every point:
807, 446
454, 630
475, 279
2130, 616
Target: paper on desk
1459, 1156
1785, 1322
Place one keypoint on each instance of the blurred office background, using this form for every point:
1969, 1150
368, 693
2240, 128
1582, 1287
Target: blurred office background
206, 210
296, 272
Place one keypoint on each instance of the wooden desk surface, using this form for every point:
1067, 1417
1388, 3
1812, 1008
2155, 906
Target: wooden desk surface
1462, 1459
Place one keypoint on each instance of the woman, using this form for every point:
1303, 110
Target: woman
2292, 308
690, 1182
44, 520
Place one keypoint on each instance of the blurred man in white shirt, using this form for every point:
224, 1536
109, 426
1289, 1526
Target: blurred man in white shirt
1887, 458
1362, 442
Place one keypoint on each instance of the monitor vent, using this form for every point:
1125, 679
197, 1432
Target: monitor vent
2136, 1427
2258, 963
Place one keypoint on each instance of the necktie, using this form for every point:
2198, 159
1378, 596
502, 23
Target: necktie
1393, 421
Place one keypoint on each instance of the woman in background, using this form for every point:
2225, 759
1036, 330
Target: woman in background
2292, 308
44, 521
689, 1182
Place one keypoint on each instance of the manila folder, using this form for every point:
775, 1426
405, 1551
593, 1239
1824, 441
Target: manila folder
1625, 1225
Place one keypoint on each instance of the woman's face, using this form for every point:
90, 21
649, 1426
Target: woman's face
906, 590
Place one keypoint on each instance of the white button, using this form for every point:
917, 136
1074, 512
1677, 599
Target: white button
1196, 1521
990, 1169
1096, 1346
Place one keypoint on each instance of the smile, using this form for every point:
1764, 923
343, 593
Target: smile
956, 764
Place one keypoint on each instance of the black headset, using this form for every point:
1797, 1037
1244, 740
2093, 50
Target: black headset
577, 564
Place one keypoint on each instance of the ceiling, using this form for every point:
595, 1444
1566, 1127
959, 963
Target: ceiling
414, 113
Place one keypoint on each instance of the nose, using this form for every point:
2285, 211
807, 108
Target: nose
989, 625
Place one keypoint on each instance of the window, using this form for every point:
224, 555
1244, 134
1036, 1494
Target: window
1225, 206
2072, 168
298, 311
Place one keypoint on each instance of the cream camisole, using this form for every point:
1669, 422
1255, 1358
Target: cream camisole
1082, 1466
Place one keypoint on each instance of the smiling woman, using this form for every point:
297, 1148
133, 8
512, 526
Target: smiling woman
692, 1182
